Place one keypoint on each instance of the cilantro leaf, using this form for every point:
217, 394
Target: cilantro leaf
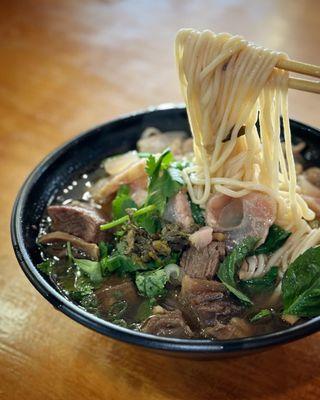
119, 263
121, 202
80, 288
90, 268
104, 249
164, 180
151, 164
150, 222
152, 284
46, 266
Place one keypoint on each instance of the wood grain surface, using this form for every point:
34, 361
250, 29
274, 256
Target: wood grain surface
64, 67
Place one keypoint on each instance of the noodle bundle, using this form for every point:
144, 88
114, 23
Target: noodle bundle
228, 85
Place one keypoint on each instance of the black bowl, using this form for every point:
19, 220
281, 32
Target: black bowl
84, 152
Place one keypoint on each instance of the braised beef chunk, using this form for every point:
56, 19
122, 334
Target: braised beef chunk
236, 328
117, 295
207, 302
168, 323
203, 263
78, 219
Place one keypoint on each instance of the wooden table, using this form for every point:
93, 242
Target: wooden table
68, 65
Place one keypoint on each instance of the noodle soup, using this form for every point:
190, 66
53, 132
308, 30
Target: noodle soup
213, 236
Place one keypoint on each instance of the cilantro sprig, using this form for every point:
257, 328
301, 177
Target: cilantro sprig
165, 181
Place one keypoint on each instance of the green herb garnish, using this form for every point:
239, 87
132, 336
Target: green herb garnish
119, 263
104, 249
265, 283
197, 214
46, 266
301, 285
228, 269
91, 268
261, 315
152, 284
275, 239
121, 202
164, 181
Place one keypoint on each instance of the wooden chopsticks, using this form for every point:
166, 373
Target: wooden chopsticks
306, 85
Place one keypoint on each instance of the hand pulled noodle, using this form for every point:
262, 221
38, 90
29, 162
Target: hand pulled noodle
229, 85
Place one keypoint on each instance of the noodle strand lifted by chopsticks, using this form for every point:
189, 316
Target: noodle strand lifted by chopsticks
228, 83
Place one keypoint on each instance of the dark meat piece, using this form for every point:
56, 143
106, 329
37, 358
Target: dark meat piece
236, 328
178, 211
207, 302
168, 323
117, 291
79, 219
203, 263
90, 249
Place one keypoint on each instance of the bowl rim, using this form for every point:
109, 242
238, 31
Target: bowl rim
106, 328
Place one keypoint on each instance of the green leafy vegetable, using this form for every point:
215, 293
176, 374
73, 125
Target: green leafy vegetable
120, 263
89, 302
263, 314
104, 249
149, 221
81, 288
46, 266
229, 267
265, 283
301, 285
152, 284
164, 180
121, 202
275, 239
197, 214
91, 268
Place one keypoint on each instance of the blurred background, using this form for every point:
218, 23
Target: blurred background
66, 65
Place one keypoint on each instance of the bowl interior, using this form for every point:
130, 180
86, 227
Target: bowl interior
84, 153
